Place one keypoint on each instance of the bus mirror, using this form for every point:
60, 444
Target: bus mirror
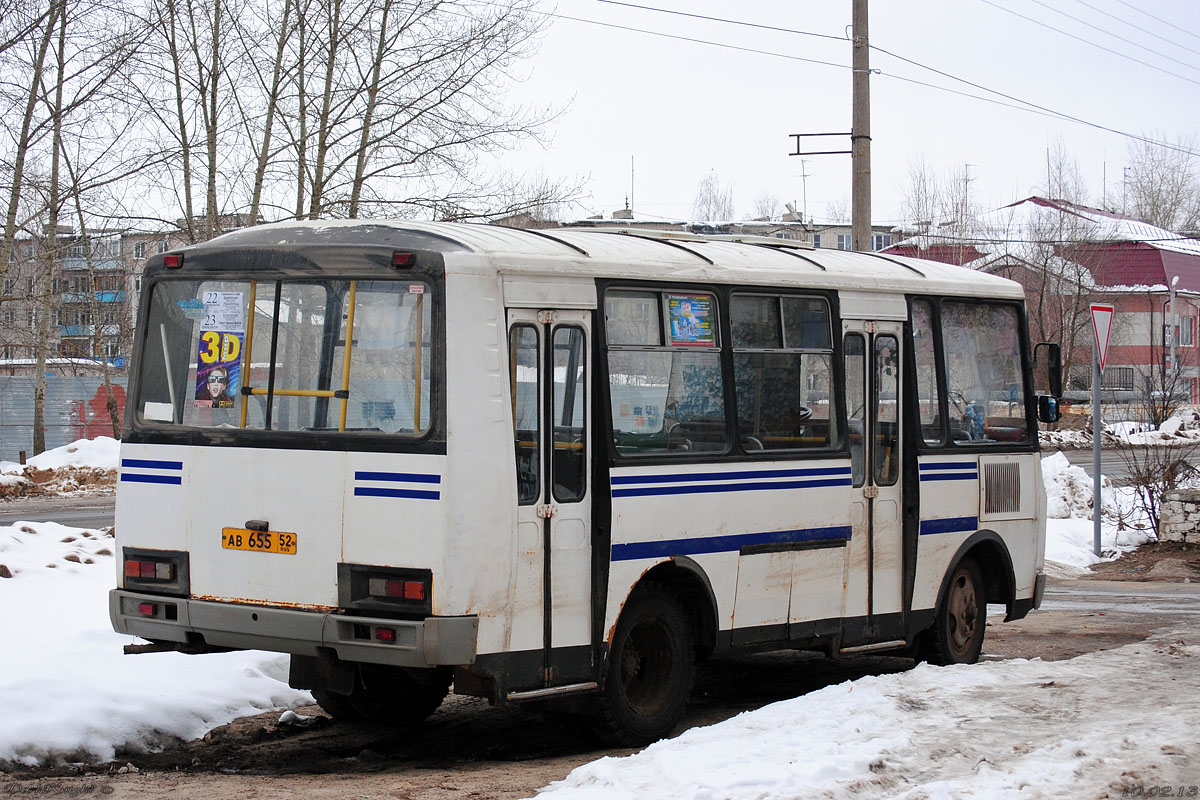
1052, 360
1047, 408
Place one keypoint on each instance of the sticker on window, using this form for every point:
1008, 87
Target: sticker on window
223, 311
218, 365
691, 320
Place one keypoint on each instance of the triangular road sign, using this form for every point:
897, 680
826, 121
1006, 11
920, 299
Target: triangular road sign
1102, 323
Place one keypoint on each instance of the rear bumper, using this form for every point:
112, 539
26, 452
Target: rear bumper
431, 642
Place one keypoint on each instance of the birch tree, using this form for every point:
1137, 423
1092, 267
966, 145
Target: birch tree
714, 202
1162, 184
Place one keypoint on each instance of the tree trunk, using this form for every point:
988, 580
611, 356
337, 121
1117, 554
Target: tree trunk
23, 140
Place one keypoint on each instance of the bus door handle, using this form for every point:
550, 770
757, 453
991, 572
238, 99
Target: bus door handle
870, 491
547, 511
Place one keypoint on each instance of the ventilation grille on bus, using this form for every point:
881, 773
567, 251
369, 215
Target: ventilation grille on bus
1002, 488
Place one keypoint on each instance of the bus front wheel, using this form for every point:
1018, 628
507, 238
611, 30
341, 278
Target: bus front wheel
959, 620
650, 668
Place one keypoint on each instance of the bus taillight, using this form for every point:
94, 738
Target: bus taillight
148, 570
394, 587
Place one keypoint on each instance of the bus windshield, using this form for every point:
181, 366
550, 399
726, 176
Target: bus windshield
275, 355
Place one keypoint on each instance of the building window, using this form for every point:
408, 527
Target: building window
843, 241
139, 249
880, 241
137, 284
816, 240
161, 246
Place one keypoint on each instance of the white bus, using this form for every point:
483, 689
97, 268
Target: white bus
559, 467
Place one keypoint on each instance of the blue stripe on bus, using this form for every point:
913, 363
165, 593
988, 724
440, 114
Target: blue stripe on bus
722, 544
397, 477
143, 463
723, 476
951, 525
957, 476
413, 494
136, 477
713, 488
949, 465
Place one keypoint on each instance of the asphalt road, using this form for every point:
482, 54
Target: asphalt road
80, 512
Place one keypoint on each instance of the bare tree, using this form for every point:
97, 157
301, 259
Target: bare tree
28, 132
714, 202
1162, 185
838, 211
766, 206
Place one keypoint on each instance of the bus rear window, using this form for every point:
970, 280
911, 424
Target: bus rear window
332, 356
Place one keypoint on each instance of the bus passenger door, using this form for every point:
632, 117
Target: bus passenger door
549, 363
875, 569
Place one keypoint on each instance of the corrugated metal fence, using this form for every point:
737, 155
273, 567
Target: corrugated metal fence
75, 409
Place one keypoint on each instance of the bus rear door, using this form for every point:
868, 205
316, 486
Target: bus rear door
549, 352
876, 563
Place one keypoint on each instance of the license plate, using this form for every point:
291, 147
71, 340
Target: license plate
258, 541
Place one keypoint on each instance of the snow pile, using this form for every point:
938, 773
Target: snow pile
67, 691
86, 466
102, 452
1070, 536
1005, 729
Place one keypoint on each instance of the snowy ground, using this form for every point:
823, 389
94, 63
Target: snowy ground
1088, 727
1004, 729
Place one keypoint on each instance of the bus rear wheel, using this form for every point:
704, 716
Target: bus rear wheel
959, 620
650, 669
392, 695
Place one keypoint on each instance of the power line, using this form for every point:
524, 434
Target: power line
724, 21
695, 40
1025, 105
1088, 42
1158, 19
1135, 26
1016, 104
1113, 35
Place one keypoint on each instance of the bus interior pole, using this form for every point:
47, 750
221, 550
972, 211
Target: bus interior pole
1096, 426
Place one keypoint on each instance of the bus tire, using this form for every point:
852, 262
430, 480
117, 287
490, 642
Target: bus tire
959, 620
336, 705
399, 696
390, 695
649, 673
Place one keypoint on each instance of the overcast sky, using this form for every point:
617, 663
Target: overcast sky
669, 111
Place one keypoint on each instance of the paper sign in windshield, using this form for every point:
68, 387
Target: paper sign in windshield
692, 322
219, 353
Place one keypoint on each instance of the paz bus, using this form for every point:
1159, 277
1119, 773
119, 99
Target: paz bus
561, 467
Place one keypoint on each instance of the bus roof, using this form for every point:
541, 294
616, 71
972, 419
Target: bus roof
588, 253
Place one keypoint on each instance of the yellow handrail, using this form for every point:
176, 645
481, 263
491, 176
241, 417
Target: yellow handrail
249, 348
346, 362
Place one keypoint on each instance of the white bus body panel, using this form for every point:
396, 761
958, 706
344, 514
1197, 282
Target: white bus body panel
709, 512
306, 493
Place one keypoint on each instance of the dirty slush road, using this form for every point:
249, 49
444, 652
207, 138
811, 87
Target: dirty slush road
469, 750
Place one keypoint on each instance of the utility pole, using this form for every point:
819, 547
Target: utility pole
860, 135
803, 189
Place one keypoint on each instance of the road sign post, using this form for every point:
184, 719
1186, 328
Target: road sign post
1101, 326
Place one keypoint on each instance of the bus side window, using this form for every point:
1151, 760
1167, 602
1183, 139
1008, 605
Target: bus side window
570, 430
523, 380
886, 436
856, 403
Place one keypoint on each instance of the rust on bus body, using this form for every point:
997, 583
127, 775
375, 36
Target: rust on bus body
248, 601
